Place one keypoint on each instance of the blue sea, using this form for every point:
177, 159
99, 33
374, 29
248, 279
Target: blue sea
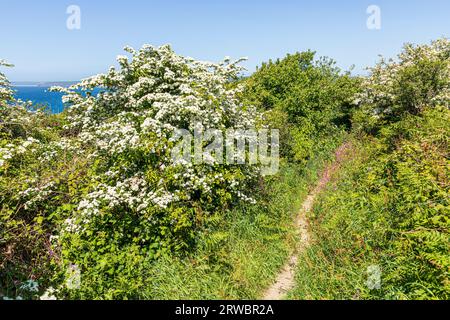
40, 96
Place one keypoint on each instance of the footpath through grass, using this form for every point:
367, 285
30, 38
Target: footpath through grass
381, 231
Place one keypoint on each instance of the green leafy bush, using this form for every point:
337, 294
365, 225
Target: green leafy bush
306, 98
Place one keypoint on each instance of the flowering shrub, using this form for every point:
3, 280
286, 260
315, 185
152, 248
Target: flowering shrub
98, 185
5, 90
419, 78
127, 129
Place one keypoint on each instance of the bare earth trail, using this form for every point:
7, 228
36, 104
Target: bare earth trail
285, 280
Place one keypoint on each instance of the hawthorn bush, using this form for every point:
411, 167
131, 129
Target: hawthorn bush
98, 186
309, 99
419, 78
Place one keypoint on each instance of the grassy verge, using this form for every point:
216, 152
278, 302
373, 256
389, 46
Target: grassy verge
386, 218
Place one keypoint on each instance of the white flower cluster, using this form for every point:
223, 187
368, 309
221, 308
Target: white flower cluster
38, 194
132, 193
54, 149
138, 109
5, 89
31, 288
8, 152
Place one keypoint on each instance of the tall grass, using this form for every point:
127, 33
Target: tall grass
243, 252
388, 208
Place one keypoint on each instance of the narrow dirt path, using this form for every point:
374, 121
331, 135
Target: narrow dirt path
285, 280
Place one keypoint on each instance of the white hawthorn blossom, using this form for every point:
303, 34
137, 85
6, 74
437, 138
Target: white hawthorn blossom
5, 89
12, 150
128, 126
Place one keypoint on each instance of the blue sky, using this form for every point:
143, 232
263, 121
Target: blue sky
33, 34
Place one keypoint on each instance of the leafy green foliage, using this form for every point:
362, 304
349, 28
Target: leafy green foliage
306, 98
236, 255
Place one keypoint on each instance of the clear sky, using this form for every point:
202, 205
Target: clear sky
34, 36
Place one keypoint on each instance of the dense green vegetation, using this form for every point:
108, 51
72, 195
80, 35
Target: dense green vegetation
92, 207
389, 208
84, 210
308, 99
